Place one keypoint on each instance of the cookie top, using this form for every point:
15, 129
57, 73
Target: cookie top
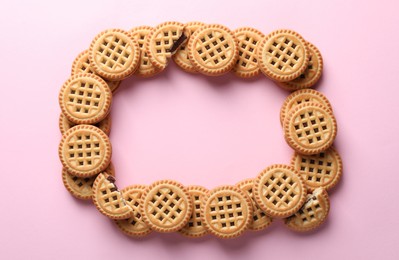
260, 219
248, 42
312, 214
85, 99
195, 227
312, 73
166, 206
310, 128
319, 170
302, 96
227, 212
81, 64
85, 150
160, 42
279, 191
283, 55
145, 68
114, 54
65, 124
108, 199
133, 226
181, 56
213, 49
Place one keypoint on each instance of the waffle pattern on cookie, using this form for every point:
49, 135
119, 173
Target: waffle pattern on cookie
319, 170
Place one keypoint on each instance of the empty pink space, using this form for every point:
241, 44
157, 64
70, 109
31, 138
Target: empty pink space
197, 129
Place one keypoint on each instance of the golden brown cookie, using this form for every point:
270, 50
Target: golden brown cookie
260, 219
145, 68
85, 99
283, 55
213, 49
166, 206
320, 170
104, 125
181, 56
114, 54
81, 64
162, 42
133, 226
248, 42
227, 212
279, 190
302, 96
312, 214
108, 199
312, 73
310, 128
81, 187
195, 227
85, 150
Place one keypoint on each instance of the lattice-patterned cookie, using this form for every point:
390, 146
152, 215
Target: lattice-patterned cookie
283, 55
248, 41
104, 125
145, 68
195, 227
163, 41
310, 128
108, 199
166, 206
181, 56
133, 226
114, 54
312, 214
85, 99
320, 170
312, 73
260, 219
81, 187
81, 64
302, 96
227, 212
85, 150
213, 49
279, 191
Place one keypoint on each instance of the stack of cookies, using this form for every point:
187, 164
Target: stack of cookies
296, 193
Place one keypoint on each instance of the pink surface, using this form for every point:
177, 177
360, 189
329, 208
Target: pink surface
198, 130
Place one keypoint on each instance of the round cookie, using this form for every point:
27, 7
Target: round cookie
81, 187
104, 125
145, 68
181, 56
161, 42
302, 96
312, 73
166, 206
310, 128
321, 170
114, 54
213, 49
108, 199
195, 227
279, 191
248, 41
85, 99
133, 226
283, 55
260, 219
81, 64
85, 150
312, 214
227, 212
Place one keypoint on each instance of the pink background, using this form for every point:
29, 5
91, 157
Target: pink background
198, 130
